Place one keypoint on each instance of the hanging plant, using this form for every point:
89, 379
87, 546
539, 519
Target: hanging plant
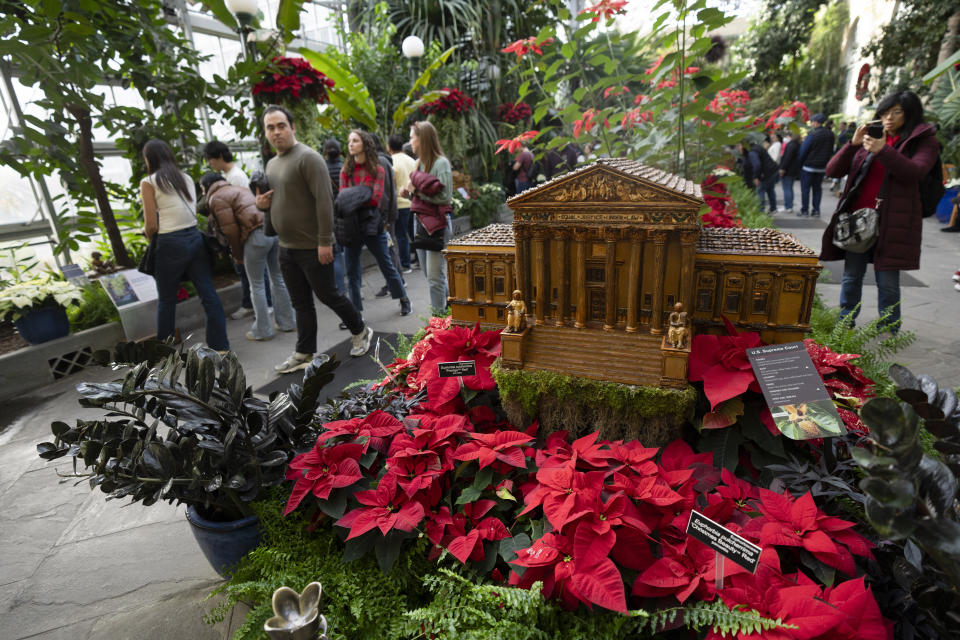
291, 80
514, 112
453, 103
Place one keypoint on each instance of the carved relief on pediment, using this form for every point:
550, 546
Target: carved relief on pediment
602, 187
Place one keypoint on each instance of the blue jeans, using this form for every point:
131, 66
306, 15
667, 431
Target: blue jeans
339, 269
786, 182
434, 267
810, 180
245, 287
403, 230
768, 188
851, 289
182, 253
259, 251
380, 249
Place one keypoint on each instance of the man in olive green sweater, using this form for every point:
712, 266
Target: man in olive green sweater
301, 210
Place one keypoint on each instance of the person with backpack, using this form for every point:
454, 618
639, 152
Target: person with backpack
815, 151
760, 172
900, 161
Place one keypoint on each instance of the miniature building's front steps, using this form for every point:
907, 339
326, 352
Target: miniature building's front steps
627, 358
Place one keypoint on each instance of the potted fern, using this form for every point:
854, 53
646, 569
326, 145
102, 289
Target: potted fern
37, 307
186, 428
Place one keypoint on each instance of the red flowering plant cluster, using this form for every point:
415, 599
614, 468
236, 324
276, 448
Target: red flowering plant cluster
514, 112
514, 144
729, 103
787, 114
453, 103
605, 9
722, 210
596, 522
527, 45
291, 79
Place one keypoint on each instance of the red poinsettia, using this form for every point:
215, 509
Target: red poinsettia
860, 618
512, 145
457, 344
377, 428
799, 523
321, 470
606, 9
730, 104
487, 448
469, 546
633, 117
786, 114
564, 494
514, 112
452, 103
685, 570
585, 123
384, 508
523, 46
293, 79
720, 362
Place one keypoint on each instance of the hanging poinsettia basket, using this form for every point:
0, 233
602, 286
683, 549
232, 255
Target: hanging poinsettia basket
290, 80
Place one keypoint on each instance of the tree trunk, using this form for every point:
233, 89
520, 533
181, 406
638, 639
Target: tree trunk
949, 44
89, 165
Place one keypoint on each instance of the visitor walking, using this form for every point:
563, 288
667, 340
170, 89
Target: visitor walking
815, 152
388, 209
760, 171
522, 167
775, 146
238, 223
332, 154
301, 211
169, 212
403, 166
432, 209
893, 167
368, 226
789, 169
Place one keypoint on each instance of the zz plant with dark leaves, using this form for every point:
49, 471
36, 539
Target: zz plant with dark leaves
187, 430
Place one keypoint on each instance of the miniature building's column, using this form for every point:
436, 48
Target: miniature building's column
610, 279
746, 304
520, 251
810, 283
451, 280
470, 280
719, 286
633, 278
563, 300
775, 298
688, 244
488, 281
539, 264
660, 266
580, 238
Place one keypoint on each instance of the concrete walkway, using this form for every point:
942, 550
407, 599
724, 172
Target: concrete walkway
75, 566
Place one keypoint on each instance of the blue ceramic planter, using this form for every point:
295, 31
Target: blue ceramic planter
224, 543
43, 324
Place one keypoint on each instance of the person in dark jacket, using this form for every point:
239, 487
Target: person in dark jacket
760, 172
332, 155
902, 157
815, 152
388, 210
789, 169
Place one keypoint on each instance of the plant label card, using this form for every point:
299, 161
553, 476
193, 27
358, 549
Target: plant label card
723, 541
118, 288
794, 391
457, 369
74, 274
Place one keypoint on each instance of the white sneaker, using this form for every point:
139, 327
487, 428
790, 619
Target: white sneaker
293, 363
956, 276
361, 342
241, 313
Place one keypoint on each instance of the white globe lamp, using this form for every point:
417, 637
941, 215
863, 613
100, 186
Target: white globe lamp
412, 47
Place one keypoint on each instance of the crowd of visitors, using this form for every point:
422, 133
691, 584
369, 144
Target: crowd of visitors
301, 226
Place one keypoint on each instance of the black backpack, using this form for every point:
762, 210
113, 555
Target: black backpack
932, 189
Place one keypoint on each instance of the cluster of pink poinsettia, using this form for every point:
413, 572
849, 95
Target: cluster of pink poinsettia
597, 522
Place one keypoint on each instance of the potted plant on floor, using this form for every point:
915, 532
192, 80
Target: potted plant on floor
37, 307
186, 428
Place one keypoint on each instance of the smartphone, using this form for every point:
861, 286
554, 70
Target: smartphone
875, 129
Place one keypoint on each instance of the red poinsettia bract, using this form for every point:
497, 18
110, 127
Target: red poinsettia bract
605, 9
487, 448
321, 470
512, 145
384, 508
523, 46
721, 363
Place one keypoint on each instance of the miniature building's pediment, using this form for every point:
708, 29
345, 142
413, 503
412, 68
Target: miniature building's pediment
612, 181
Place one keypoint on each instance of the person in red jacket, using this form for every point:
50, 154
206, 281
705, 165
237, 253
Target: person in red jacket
901, 158
239, 223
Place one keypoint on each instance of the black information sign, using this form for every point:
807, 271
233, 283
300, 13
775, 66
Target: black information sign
794, 391
723, 541
457, 369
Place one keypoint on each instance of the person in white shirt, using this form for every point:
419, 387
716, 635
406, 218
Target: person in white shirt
403, 166
776, 145
220, 159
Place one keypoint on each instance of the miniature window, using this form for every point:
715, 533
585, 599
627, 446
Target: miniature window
480, 312
498, 285
670, 302
500, 314
731, 303
647, 300
760, 302
704, 300
596, 275
554, 293
478, 284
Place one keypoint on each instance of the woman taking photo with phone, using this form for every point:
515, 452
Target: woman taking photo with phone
169, 212
894, 158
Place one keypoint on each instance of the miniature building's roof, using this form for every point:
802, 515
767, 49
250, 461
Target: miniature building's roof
737, 240
498, 234
627, 167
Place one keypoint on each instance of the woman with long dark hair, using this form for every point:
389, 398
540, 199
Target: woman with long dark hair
169, 210
362, 168
900, 158
430, 159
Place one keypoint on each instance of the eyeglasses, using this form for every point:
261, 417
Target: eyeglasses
893, 113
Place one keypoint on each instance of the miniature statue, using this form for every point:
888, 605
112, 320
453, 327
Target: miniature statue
99, 266
516, 314
679, 331
297, 615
